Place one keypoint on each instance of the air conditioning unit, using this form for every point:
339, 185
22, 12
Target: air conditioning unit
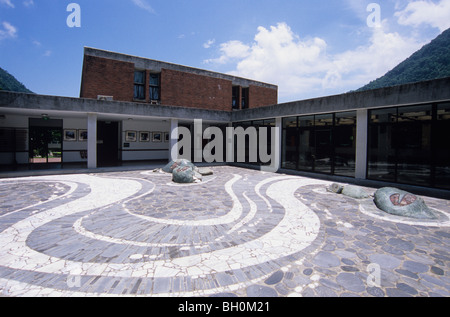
105, 98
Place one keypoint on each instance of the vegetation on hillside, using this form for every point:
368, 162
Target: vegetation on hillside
9, 83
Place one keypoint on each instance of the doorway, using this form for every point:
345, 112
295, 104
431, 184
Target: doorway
45, 140
107, 143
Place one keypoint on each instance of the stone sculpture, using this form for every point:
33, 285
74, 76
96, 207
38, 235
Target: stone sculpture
401, 203
350, 191
185, 172
169, 168
183, 175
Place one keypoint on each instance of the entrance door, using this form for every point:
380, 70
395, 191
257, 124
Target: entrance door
45, 139
107, 143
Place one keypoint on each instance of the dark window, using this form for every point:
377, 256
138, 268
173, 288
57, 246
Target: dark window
442, 146
344, 135
306, 143
154, 87
320, 143
245, 93
410, 145
139, 85
235, 100
290, 143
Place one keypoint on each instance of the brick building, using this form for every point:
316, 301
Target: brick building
134, 79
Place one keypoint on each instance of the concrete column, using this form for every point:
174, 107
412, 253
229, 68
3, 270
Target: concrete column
173, 150
92, 140
361, 143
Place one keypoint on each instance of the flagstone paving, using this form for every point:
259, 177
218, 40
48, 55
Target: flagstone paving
240, 233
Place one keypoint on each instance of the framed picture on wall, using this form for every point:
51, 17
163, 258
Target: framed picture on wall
82, 135
144, 136
130, 136
157, 136
70, 135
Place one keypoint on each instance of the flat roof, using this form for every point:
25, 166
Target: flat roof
155, 65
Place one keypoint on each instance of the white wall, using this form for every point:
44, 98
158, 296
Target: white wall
138, 150
72, 148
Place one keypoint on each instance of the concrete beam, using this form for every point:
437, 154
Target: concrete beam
417, 93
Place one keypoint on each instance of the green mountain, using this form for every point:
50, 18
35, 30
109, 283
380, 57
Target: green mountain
430, 62
9, 83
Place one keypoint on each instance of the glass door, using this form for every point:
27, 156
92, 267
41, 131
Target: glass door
45, 145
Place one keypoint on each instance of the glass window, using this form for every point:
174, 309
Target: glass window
344, 136
139, 85
154, 87
245, 98
412, 139
388, 115
235, 97
290, 122
306, 143
290, 141
323, 158
442, 144
382, 152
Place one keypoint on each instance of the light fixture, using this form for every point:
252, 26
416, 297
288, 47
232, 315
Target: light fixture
45, 116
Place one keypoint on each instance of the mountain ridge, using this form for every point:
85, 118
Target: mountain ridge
9, 83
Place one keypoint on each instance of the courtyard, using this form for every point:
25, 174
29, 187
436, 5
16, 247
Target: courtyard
240, 232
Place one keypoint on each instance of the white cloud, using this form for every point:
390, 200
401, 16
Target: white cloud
434, 14
231, 51
8, 3
302, 68
143, 4
7, 31
209, 43
384, 51
28, 3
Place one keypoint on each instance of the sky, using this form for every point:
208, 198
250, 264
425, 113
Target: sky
308, 48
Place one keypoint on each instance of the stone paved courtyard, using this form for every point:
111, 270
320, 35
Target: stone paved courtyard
238, 233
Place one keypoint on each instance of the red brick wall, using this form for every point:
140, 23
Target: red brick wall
261, 96
195, 91
107, 77
102, 76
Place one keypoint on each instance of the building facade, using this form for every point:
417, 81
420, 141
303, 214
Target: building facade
130, 109
133, 79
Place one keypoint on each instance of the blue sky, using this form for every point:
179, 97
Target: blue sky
307, 48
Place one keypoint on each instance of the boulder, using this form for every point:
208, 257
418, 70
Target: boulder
355, 192
350, 191
205, 171
335, 188
183, 175
169, 168
401, 203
